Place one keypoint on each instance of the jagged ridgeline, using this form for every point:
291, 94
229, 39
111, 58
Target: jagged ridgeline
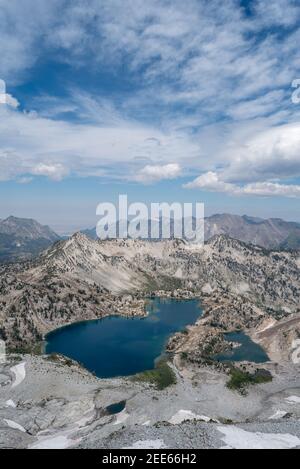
273, 233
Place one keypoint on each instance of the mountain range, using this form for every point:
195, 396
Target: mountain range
272, 233
22, 238
80, 279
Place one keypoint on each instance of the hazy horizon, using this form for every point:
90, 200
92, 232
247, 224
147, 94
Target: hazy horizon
71, 229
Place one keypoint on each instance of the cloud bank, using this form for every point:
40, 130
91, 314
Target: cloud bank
195, 88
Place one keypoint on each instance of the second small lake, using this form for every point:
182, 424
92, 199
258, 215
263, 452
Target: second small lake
247, 351
117, 346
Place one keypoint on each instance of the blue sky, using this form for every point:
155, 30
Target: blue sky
163, 100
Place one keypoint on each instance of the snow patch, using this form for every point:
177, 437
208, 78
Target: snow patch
147, 444
183, 415
237, 438
147, 423
55, 442
20, 374
14, 425
178, 273
293, 399
296, 353
296, 343
279, 414
207, 289
63, 439
10, 403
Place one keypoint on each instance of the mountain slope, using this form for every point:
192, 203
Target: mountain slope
22, 238
88, 261
130, 265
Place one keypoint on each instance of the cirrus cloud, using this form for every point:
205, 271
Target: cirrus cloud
207, 91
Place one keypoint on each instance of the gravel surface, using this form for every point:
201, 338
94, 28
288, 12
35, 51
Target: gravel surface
56, 405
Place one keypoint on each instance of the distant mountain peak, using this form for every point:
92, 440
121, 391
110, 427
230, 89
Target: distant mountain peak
23, 238
80, 237
26, 228
270, 233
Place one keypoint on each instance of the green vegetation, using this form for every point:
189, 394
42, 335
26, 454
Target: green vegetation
36, 349
163, 282
161, 377
53, 357
184, 356
60, 359
240, 379
225, 421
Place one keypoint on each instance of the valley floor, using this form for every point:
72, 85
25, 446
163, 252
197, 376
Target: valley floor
56, 404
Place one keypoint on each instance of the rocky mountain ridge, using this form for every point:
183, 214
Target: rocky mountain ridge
272, 233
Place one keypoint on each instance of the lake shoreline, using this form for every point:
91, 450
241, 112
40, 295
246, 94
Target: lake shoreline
110, 335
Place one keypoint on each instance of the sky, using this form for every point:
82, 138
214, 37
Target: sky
166, 101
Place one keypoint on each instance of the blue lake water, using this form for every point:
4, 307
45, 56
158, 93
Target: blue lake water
248, 351
117, 346
114, 409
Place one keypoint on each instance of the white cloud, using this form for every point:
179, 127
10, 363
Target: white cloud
267, 154
215, 90
32, 145
150, 174
11, 101
205, 47
271, 189
21, 42
109, 144
211, 182
5, 98
278, 13
54, 171
261, 106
